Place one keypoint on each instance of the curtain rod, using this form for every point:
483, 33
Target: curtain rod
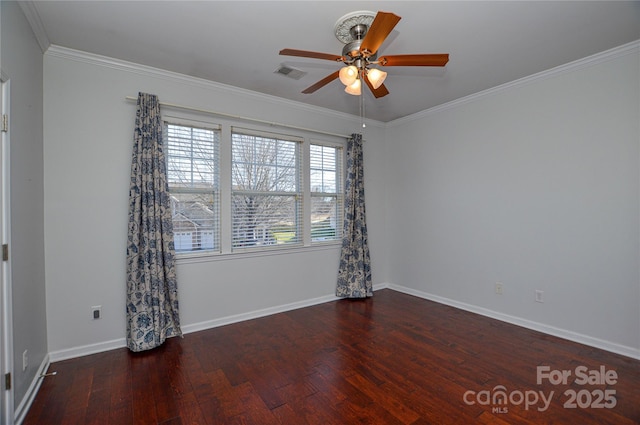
239, 117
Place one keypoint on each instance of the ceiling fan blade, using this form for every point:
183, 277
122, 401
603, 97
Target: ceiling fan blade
381, 27
438, 59
326, 80
379, 92
314, 55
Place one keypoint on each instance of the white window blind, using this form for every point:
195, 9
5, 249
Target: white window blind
193, 177
266, 190
325, 176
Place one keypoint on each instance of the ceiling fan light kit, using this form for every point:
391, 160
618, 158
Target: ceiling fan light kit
362, 34
376, 77
348, 75
354, 88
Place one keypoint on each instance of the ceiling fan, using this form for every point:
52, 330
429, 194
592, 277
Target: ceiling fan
362, 34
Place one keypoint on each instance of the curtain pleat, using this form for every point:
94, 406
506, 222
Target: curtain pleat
152, 291
354, 273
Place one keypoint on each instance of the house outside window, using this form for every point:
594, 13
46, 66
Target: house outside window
193, 176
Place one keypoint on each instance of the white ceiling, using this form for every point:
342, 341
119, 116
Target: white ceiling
237, 42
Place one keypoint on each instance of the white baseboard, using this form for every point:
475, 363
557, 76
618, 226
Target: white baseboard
209, 324
85, 350
195, 327
540, 327
22, 409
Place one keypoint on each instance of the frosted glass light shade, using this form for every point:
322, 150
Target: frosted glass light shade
355, 88
376, 77
348, 75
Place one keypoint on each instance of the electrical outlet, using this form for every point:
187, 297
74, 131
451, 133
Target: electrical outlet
499, 288
539, 296
96, 312
25, 360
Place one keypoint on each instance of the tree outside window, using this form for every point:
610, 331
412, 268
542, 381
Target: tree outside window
266, 198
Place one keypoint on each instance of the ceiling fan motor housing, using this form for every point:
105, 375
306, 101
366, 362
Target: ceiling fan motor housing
352, 50
358, 31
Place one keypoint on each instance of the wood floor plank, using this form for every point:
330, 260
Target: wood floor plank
390, 359
384, 399
286, 415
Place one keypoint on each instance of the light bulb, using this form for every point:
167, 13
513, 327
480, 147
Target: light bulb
376, 77
348, 75
354, 88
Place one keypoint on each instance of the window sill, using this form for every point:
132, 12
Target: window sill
205, 257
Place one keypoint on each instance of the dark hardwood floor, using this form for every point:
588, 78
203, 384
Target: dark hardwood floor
390, 359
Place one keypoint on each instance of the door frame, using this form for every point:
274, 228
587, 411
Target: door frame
6, 316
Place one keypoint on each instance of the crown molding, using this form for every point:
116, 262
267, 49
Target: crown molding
30, 12
148, 71
607, 55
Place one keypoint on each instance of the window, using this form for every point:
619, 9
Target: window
266, 199
193, 177
326, 193
236, 189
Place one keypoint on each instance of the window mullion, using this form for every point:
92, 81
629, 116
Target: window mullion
226, 171
306, 195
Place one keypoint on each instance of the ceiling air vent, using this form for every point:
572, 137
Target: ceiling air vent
287, 71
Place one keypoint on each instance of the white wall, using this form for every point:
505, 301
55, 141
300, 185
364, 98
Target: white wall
88, 140
535, 185
21, 63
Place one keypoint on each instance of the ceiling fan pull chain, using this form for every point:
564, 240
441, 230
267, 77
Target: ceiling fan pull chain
362, 110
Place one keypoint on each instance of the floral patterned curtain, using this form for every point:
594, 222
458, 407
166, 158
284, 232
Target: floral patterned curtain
152, 292
354, 273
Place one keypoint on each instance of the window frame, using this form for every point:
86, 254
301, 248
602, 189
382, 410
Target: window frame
225, 191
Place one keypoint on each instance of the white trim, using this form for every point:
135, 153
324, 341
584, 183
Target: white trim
607, 55
147, 71
529, 324
242, 118
236, 318
24, 406
121, 65
85, 350
196, 327
30, 12
203, 257
209, 324
266, 312
6, 333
